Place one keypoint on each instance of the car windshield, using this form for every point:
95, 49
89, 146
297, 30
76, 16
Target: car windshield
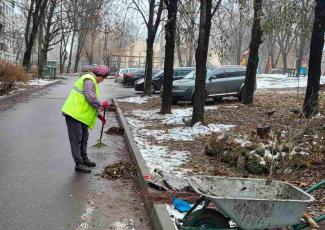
139, 71
192, 75
123, 71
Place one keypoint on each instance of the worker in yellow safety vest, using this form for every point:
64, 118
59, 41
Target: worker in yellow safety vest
80, 110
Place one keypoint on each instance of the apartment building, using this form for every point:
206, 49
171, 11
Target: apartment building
7, 36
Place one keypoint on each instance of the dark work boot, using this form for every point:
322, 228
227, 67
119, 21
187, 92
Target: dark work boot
88, 162
82, 168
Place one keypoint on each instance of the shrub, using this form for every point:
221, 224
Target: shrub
10, 74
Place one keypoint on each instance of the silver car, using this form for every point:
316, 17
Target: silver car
220, 82
119, 74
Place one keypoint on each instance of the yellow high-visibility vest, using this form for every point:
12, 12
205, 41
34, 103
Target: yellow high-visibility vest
76, 104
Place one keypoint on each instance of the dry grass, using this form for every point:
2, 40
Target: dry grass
10, 74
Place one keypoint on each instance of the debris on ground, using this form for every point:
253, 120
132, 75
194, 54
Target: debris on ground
111, 108
181, 205
175, 182
115, 131
270, 137
120, 170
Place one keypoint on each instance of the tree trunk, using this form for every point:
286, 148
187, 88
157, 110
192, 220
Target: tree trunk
40, 61
36, 15
63, 51
303, 35
201, 55
311, 105
170, 31
71, 49
240, 37
300, 55
271, 40
152, 27
81, 41
178, 48
256, 40
148, 69
284, 60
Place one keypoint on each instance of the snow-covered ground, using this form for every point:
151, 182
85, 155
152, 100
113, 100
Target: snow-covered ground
281, 81
40, 82
136, 100
159, 156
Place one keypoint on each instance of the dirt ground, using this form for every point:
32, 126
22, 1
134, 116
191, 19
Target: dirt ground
119, 204
281, 110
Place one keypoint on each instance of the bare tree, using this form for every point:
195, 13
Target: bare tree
152, 24
170, 30
256, 40
230, 31
304, 31
48, 31
311, 104
34, 18
206, 13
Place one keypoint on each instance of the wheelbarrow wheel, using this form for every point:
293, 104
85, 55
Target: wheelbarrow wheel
207, 219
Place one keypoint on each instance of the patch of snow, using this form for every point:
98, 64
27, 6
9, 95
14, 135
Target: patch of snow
185, 133
161, 158
40, 82
268, 154
280, 81
176, 118
155, 156
135, 123
86, 217
242, 142
230, 106
294, 152
135, 100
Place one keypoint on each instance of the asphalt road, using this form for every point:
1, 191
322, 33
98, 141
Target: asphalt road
39, 188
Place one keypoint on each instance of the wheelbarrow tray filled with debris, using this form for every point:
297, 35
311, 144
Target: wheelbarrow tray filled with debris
253, 203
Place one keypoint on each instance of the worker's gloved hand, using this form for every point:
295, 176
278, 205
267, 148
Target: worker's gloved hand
105, 104
102, 118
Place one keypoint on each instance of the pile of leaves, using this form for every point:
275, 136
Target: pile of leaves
115, 131
120, 170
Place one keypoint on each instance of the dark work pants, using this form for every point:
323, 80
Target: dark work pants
78, 136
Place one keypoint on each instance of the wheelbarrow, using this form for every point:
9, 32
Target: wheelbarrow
247, 204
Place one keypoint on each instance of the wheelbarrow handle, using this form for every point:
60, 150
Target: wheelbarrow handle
316, 186
310, 221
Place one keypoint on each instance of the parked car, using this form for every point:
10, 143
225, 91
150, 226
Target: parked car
88, 68
130, 78
157, 79
276, 71
220, 82
119, 74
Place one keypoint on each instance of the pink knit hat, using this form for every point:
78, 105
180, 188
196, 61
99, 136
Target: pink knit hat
101, 71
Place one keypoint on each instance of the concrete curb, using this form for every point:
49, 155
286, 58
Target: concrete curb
27, 91
158, 213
